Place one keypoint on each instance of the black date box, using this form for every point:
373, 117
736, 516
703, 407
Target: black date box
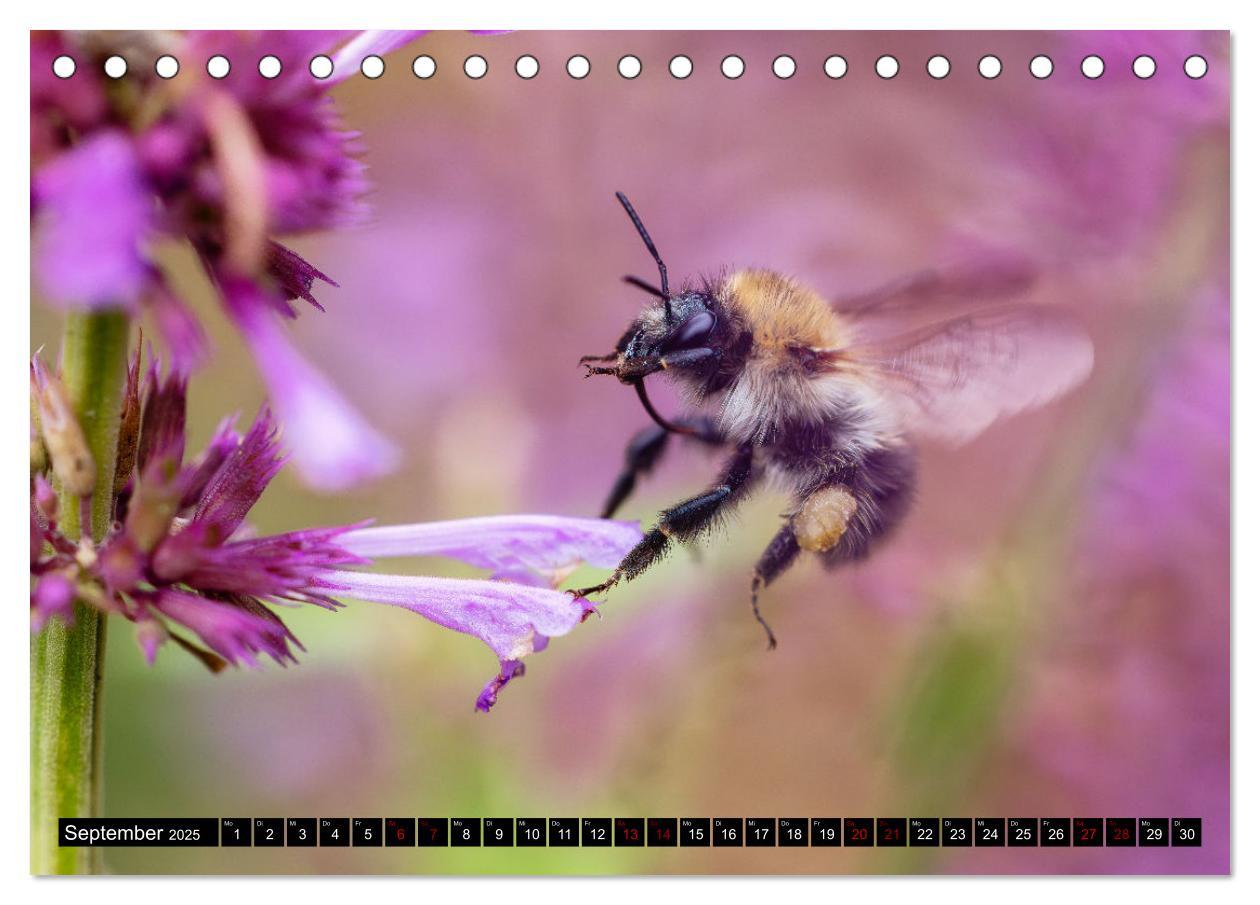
597, 831
496, 832
367, 831
531, 832
300, 831
1021, 832
268, 831
235, 831
1187, 831
1153, 831
465, 832
925, 831
1122, 831
433, 832
1087, 832
990, 832
695, 831
956, 831
759, 831
334, 831
662, 831
728, 831
1055, 832
562, 831
826, 832
628, 831
891, 831
859, 831
793, 831
401, 832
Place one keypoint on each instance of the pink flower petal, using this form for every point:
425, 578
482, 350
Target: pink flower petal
333, 446
348, 59
94, 214
53, 596
513, 620
236, 631
546, 544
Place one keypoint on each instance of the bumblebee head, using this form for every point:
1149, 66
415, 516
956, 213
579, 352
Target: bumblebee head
679, 333
682, 341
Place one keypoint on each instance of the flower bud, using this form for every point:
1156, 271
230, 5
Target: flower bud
39, 455
45, 499
128, 426
150, 634
64, 440
154, 504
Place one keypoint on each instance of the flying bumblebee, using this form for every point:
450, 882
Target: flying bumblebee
826, 399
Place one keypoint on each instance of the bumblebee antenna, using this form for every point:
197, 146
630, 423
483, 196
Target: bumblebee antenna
643, 284
651, 247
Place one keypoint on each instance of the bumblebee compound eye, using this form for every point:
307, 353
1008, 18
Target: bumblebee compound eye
692, 333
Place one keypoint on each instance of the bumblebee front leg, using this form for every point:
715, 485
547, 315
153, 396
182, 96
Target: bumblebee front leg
644, 452
685, 521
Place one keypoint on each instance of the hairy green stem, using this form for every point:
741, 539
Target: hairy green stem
66, 661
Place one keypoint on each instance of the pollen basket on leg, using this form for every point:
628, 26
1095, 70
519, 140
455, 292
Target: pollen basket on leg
823, 518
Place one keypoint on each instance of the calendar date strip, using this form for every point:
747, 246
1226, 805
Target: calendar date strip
603, 832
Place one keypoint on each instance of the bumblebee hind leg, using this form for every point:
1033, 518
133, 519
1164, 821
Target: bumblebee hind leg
845, 517
781, 553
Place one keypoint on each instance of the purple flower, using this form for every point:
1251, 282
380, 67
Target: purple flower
225, 165
85, 258
179, 560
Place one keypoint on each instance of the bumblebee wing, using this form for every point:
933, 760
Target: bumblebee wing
937, 294
952, 379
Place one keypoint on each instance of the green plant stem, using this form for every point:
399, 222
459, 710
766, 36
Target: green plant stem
66, 661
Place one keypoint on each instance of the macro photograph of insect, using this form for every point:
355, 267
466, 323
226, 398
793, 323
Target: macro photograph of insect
824, 400
553, 423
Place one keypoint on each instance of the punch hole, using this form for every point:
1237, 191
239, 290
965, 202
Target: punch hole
732, 66
423, 67
476, 67
218, 66
886, 67
527, 66
373, 67
1144, 66
1196, 66
321, 66
1093, 66
269, 66
938, 66
835, 66
680, 66
1041, 66
784, 67
629, 66
990, 66
63, 67
115, 67
166, 66
578, 66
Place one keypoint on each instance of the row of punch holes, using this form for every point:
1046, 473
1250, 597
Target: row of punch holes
630, 66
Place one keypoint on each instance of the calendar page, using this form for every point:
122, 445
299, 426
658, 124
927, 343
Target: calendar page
630, 452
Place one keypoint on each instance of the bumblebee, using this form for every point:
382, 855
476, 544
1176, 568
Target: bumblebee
828, 399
